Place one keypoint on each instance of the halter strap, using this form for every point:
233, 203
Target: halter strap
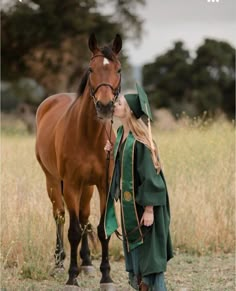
115, 91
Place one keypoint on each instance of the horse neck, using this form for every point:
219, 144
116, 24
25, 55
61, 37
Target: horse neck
85, 117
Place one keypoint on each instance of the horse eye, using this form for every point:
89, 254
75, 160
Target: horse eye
119, 71
90, 70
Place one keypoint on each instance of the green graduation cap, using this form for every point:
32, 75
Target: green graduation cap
138, 103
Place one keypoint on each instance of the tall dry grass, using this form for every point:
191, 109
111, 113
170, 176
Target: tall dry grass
199, 167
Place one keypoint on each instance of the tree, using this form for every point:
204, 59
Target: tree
168, 79
47, 40
213, 74
204, 83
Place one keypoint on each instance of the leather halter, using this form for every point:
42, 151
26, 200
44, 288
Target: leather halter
115, 91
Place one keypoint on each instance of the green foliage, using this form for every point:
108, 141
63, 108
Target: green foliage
193, 84
213, 72
129, 19
47, 40
160, 78
22, 91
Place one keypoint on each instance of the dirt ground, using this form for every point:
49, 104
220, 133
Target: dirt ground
185, 273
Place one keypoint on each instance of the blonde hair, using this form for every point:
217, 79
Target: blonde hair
142, 133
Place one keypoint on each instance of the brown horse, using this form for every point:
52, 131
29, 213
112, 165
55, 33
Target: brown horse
71, 134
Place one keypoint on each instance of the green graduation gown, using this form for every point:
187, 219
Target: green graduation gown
150, 256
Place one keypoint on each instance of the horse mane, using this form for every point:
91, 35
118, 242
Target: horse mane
109, 54
83, 82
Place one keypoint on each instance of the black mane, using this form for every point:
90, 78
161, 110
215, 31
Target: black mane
109, 54
83, 82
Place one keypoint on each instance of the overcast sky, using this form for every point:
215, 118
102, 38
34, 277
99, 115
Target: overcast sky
188, 20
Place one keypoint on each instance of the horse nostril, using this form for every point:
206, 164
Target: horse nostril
98, 105
111, 104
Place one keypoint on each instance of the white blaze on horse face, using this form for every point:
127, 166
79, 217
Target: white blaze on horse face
105, 61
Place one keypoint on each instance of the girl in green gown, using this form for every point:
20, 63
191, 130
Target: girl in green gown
138, 182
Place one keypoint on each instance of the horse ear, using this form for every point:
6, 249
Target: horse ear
92, 43
117, 44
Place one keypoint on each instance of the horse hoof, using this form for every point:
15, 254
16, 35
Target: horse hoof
87, 269
72, 282
107, 287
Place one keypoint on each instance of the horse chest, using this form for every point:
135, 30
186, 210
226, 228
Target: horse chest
85, 169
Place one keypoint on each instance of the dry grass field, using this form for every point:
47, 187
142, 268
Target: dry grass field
199, 165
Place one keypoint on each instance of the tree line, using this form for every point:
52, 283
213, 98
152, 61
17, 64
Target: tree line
47, 41
193, 84
44, 51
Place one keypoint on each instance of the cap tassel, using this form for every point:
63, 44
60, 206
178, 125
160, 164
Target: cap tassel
151, 142
150, 133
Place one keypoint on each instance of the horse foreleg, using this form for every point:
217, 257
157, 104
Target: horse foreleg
105, 265
59, 251
106, 282
86, 264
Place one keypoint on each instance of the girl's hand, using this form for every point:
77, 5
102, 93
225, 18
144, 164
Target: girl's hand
108, 147
148, 216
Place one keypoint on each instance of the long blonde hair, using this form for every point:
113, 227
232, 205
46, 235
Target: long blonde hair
141, 132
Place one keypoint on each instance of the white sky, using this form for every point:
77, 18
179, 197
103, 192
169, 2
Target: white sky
166, 21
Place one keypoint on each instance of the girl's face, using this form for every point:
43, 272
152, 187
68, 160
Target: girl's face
120, 107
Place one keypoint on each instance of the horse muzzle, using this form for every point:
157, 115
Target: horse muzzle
104, 111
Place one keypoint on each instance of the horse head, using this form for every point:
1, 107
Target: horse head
104, 75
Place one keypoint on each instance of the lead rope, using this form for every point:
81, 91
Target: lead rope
120, 236
108, 157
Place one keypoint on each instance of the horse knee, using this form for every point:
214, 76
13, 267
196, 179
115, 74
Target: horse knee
59, 216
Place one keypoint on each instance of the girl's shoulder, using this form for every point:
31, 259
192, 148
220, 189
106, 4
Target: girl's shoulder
141, 149
140, 145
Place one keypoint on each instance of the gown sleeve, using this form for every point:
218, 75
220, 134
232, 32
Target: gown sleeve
150, 187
